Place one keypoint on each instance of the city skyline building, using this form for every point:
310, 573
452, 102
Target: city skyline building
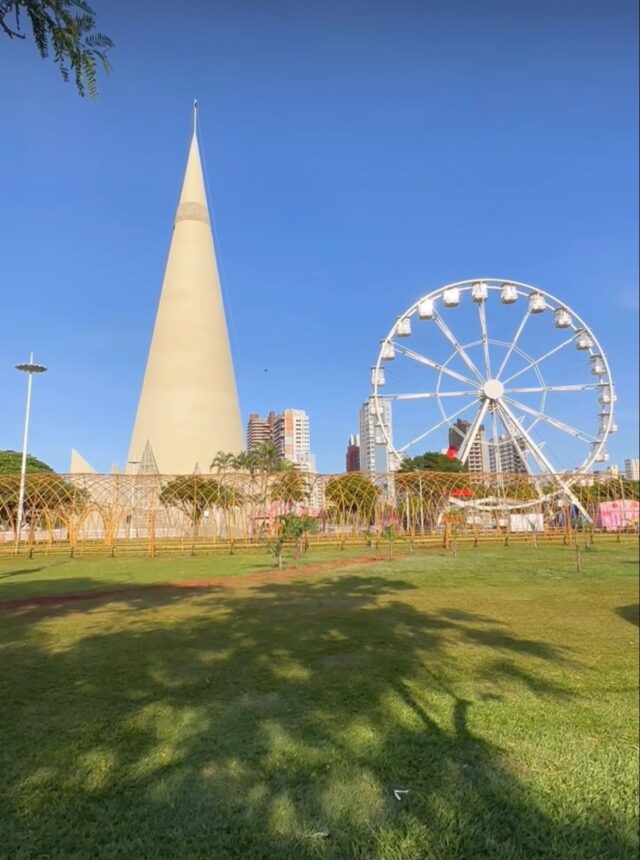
505, 456
260, 430
188, 407
292, 438
478, 459
632, 469
352, 458
375, 452
289, 431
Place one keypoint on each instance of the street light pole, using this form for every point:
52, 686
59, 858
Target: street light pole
29, 368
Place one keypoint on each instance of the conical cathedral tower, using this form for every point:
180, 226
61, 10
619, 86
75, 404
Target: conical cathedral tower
188, 408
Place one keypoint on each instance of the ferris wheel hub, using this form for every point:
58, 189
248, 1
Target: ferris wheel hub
493, 389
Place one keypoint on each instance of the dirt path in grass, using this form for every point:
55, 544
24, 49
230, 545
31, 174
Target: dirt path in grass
232, 581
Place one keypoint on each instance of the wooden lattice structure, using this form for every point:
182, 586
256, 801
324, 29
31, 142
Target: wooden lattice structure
151, 513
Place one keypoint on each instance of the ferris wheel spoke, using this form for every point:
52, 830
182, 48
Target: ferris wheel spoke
516, 436
541, 389
429, 362
536, 361
542, 459
514, 342
516, 441
485, 337
431, 395
559, 425
437, 426
446, 331
515, 429
471, 434
494, 429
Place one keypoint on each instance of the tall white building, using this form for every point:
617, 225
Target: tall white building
375, 452
511, 460
291, 437
632, 469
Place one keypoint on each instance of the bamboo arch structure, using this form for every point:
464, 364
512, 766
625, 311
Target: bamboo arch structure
151, 513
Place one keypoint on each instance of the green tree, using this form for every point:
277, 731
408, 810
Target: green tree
290, 487
243, 462
431, 461
290, 528
64, 29
262, 463
607, 491
194, 494
11, 463
46, 494
265, 457
223, 462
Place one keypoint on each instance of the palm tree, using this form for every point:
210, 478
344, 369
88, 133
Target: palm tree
245, 461
223, 461
291, 487
267, 458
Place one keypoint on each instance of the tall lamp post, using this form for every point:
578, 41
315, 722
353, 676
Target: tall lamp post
30, 368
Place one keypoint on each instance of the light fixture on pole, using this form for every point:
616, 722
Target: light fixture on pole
30, 368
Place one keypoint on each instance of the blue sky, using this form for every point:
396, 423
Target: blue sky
358, 154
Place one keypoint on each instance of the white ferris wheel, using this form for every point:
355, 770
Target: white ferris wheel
505, 375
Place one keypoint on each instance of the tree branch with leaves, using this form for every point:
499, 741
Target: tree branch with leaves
64, 30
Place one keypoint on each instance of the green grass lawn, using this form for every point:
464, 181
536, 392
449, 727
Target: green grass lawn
498, 688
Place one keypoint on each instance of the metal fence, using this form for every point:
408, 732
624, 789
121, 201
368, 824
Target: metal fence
122, 514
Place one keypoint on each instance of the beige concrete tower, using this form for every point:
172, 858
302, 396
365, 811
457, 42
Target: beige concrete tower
188, 408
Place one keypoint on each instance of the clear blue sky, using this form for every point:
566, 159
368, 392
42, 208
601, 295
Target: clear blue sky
358, 154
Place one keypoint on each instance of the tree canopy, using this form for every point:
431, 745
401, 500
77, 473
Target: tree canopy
11, 463
46, 492
290, 487
195, 493
431, 461
291, 527
65, 30
265, 457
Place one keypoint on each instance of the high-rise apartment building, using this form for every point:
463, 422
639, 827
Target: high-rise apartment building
260, 430
292, 438
632, 469
353, 454
505, 456
288, 431
478, 457
375, 451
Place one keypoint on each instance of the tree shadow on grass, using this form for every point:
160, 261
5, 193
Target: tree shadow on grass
8, 574
630, 613
74, 594
250, 724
